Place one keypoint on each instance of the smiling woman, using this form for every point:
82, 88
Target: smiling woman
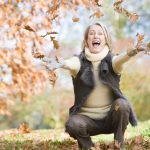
99, 107
96, 38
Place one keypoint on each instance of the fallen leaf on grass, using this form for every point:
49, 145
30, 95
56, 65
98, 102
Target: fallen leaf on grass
23, 128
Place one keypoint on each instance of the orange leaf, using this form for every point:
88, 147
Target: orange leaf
99, 2
55, 42
140, 38
118, 2
23, 128
97, 14
52, 77
28, 28
75, 19
38, 55
133, 17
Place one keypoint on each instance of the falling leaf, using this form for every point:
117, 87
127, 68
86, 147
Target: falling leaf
99, 2
52, 77
117, 107
133, 17
38, 55
118, 2
140, 38
55, 42
117, 6
23, 128
28, 28
97, 14
148, 46
75, 19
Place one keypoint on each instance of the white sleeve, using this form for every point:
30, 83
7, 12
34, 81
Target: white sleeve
73, 65
119, 60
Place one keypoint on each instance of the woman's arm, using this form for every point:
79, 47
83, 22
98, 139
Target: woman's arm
119, 60
73, 65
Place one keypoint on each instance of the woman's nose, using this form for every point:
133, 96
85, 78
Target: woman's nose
96, 35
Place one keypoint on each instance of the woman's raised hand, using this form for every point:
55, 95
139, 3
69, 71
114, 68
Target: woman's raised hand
139, 48
53, 63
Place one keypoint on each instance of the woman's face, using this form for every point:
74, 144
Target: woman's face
96, 39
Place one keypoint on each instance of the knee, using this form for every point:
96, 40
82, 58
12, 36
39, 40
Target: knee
121, 105
74, 124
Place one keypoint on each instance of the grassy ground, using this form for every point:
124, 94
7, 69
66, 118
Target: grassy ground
137, 138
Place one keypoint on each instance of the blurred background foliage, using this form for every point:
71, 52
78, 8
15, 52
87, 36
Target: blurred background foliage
49, 108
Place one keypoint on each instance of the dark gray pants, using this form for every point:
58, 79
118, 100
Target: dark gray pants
81, 127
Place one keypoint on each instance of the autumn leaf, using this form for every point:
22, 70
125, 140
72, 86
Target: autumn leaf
75, 19
117, 6
99, 2
140, 38
118, 2
23, 128
148, 46
38, 55
55, 42
29, 28
52, 77
133, 17
97, 14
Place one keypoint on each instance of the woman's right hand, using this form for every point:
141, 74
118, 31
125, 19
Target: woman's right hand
53, 63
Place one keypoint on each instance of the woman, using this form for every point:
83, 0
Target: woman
99, 107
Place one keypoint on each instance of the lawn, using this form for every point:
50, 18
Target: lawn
137, 138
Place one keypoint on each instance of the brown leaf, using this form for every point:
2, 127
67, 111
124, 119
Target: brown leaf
140, 38
55, 42
38, 55
28, 28
133, 17
52, 77
99, 2
97, 14
118, 2
23, 128
75, 19
148, 46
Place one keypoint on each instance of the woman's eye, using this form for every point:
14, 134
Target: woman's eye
100, 33
91, 33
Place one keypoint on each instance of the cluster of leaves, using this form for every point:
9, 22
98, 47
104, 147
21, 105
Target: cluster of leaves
140, 44
133, 17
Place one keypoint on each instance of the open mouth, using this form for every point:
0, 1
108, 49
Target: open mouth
96, 44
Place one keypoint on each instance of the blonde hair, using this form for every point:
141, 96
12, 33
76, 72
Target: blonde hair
106, 34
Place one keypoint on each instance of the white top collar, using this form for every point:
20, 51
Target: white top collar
93, 57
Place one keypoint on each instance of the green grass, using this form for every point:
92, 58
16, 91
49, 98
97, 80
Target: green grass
55, 139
